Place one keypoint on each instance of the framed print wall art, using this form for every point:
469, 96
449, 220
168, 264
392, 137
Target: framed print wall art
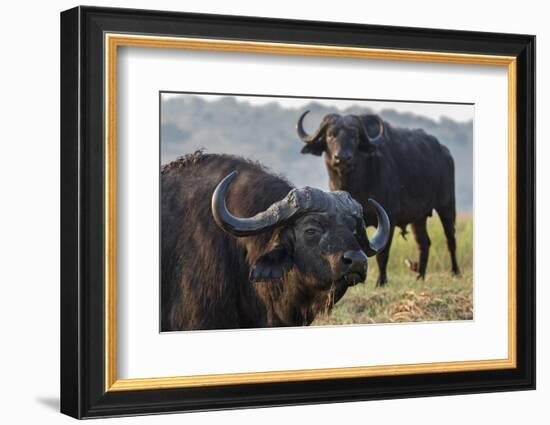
261, 212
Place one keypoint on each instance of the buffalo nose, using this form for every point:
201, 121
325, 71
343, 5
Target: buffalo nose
355, 260
342, 157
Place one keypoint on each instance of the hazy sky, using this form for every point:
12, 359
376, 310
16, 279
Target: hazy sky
230, 125
434, 111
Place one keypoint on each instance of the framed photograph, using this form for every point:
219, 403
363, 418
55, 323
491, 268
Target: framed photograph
261, 212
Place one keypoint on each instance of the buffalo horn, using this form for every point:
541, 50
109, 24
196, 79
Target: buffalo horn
306, 138
380, 238
377, 140
276, 214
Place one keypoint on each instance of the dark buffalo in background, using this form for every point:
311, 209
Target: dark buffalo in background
408, 171
242, 248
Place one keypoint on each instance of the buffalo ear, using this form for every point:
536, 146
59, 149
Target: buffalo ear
314, 148
273, 265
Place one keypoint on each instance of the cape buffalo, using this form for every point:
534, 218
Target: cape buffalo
408, 171
242, 248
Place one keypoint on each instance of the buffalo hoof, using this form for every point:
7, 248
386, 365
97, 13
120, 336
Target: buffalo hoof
382, 281
421, 277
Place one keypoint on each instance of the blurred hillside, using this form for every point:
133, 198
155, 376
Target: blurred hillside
267, 133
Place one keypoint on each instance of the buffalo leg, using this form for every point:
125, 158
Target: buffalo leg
423, 242
382, 260
448, 222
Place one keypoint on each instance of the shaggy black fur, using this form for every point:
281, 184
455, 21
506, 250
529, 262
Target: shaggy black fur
206, 273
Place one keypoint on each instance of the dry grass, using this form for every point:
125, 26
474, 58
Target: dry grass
441, 296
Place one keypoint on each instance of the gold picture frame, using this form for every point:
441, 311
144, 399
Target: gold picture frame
114, 41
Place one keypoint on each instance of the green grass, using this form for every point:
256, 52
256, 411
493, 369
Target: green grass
441, 296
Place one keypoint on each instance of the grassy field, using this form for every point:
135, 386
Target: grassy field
441, 296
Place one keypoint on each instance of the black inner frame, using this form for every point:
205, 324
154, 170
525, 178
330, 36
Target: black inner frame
82, 207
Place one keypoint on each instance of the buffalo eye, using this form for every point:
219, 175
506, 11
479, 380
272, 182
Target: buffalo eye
312, 231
